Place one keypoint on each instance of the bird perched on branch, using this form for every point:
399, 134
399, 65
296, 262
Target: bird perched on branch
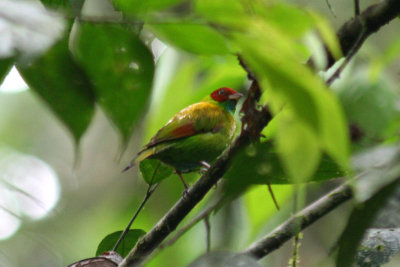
196, 135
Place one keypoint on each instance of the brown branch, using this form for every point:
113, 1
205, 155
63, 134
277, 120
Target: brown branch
370, 21
298, 222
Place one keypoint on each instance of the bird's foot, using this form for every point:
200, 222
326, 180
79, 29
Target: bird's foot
205, 164
185, 193
205, 167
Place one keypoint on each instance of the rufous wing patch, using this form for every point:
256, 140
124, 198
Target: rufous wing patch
184, 130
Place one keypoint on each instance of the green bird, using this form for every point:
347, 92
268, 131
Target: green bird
196, 135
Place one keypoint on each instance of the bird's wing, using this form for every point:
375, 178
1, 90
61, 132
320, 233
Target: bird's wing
198, 118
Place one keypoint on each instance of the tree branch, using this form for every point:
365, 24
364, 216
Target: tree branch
298, 222
370, 21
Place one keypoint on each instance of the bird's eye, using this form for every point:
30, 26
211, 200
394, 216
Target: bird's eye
222, 92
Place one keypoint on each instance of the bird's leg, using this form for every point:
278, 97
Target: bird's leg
206, 166
185, 192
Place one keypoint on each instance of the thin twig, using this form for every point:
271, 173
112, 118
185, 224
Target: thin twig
208, 232
330, 8
299, 222
272, 195
206, 212
361, 38
357, 7
149, 192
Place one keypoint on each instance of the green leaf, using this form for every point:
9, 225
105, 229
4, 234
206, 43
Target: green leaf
260, 164
153, 171
298, 147
125, 246
292, 84
5, 67
136, 7
121, 68
194, 38
63, 85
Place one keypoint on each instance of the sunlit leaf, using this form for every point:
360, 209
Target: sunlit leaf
224, 259
299, 148
126, 244
121, 68
27, 28
5, 66
191, 37
327, 34
294, 85
63, 85
378, 247
153, 171
135, 7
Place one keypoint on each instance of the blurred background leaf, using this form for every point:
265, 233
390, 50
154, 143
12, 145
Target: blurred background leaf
122, 75
63, 85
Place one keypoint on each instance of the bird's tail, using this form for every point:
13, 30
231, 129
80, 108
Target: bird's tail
144, 154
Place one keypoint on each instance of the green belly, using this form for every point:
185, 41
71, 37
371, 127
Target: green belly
186, 154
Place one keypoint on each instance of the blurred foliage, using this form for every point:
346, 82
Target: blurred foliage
122, 75
159, 56
62, 84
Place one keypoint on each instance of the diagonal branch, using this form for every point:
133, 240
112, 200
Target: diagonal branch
299, 222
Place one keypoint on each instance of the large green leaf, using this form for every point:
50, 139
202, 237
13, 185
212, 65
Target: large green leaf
194, 38
124, 247
5, 67
260, 164
137, 7
63, 85
121, 68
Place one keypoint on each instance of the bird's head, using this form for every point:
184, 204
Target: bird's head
225, 94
